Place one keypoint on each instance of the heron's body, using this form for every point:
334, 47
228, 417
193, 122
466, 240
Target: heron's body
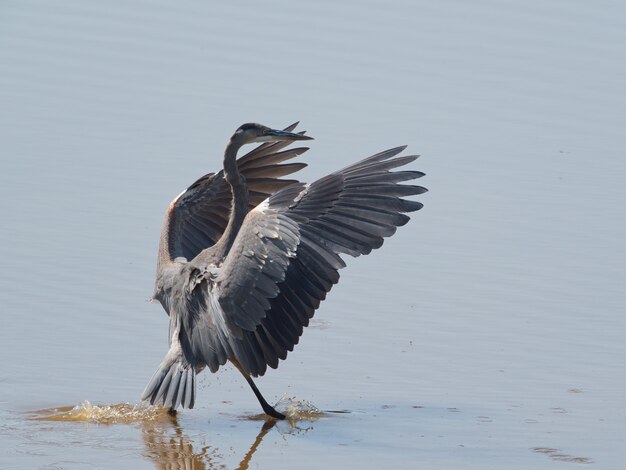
246, 258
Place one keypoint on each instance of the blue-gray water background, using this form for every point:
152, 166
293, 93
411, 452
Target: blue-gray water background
488, 333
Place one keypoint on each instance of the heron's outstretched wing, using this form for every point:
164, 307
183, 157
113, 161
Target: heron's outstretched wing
286, 256
196, 219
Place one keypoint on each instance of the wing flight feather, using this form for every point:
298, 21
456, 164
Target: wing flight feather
289, 249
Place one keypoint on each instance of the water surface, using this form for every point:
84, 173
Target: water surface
488, 333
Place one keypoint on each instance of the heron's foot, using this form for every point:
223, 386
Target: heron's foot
270, 411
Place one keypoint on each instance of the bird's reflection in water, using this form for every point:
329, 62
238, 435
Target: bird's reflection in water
267, 425
164, 441
169, 448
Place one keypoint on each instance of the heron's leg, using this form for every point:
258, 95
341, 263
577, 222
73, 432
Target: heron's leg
267, 408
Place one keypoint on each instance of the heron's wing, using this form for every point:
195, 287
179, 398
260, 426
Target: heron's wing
286, 256
196, 219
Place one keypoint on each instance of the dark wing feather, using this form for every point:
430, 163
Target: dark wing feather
255, 265
196, 219
287, 253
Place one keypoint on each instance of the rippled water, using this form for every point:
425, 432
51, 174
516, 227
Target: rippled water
488, 333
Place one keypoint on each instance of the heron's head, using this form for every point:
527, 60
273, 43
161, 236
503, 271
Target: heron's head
251, 132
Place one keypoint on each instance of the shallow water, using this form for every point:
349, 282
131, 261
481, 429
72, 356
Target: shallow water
488, 333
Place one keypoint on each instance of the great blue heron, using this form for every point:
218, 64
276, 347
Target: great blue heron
245, 258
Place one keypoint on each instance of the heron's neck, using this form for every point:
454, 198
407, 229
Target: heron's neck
239, 206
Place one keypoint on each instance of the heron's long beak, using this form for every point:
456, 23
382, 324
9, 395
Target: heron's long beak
284, 135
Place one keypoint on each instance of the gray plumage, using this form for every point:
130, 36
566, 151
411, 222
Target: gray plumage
246, 257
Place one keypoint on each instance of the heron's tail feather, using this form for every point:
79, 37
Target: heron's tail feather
173, 384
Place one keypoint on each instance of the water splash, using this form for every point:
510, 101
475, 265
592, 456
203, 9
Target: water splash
295, 409
103, 414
